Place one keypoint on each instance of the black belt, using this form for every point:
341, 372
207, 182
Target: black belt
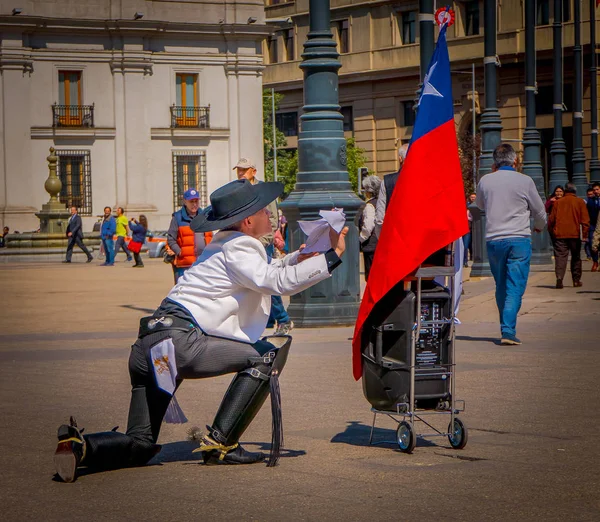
161, 323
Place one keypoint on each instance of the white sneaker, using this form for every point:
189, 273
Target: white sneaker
284, 328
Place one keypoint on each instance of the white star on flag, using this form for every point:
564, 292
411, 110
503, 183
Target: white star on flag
428, 88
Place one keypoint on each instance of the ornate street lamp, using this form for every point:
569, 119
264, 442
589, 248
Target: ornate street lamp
558, 149
532, 164
594, 163
579, 176
490, 127
322, 182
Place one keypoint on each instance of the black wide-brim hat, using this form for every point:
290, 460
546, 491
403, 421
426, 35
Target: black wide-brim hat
235, 201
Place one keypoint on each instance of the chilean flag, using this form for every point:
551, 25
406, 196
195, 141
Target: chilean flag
427, 210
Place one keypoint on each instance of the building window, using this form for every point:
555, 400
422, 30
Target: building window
472, 18
272, 47
289, 44
348, 119
544, 101
342, 31
567, 10
409, 25
189, 171
69, 98
74, 170
287, 122
185, 113
408, 113
543, 12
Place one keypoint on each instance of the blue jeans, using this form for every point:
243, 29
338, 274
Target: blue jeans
588, 246
121, 245
509, 263
278, 312
109, 250
467, 242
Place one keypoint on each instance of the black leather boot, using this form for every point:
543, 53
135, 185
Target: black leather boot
236, 456
70, 451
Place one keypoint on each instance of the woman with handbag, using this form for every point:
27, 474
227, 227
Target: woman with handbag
138, 232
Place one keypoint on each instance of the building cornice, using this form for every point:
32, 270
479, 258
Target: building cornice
142, 28
168, 133
15, 59
72, 132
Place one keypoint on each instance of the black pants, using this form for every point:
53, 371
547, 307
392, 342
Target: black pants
76, 240
368, 258
120, 244
197, 355
138, 259
562, 248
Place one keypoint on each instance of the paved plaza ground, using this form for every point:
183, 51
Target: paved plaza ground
532, 411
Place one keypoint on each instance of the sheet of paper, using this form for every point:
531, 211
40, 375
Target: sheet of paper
318, 230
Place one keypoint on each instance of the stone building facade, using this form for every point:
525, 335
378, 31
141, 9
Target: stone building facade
379, 45
141, 100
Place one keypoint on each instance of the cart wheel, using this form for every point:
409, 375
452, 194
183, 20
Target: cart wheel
458, 434
406, 437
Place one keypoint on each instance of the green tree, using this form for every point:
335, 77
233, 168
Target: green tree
356, 158
287, 161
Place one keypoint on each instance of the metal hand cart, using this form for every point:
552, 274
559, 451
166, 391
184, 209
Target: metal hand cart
406, 413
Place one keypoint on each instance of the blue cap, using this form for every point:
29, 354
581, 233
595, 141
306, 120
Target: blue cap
191, 194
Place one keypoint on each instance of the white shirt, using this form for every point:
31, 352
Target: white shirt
228, 290
368, 222
380, 209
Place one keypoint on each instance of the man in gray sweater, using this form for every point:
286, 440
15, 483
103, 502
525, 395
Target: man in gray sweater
510, 200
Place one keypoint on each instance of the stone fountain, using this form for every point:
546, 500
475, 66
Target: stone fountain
50, 243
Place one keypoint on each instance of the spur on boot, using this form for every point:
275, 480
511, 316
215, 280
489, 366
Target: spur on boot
70, 451
215, 453
235, 456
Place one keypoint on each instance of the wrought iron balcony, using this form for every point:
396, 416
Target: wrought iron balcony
197, 117
72, 115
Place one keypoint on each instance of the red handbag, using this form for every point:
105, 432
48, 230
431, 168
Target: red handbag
134, 247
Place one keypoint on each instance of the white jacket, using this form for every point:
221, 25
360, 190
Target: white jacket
228, 290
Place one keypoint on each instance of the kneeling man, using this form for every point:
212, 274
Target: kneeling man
209, 324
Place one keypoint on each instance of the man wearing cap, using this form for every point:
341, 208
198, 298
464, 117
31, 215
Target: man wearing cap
210, 324
182, 243
246, 170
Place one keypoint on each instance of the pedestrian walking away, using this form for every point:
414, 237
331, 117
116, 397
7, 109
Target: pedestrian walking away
5, 232
75, 235
510, 200
107, 231
183, 244
121, 232
366, 222
468, 237
386, 190
209, 324
279, 318
569, 221
138, 231
593, 208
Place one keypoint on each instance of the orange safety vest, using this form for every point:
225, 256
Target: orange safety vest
186, 239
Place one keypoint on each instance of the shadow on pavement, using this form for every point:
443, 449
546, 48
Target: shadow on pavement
357, 434
138, 308
182, 451
494, 340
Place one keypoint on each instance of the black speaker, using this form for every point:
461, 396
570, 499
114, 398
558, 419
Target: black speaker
387, 347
